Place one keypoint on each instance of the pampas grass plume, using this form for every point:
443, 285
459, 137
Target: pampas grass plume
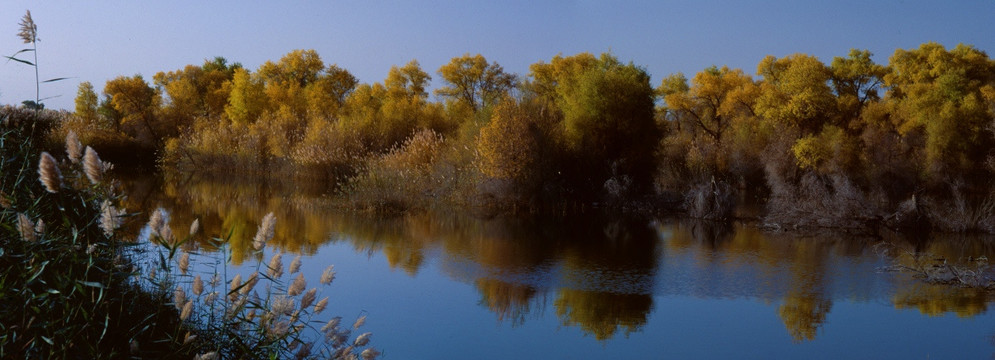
295, 265
363, 339
187, 310
297, 286
308, 298
49, 174
265, 232
370, 354
275, 266
320, 306
74, 149
26, 227
198, 285
92, 166
184, 262
328, 275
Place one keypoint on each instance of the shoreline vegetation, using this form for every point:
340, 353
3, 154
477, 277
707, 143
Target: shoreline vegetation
74, 285
851, 144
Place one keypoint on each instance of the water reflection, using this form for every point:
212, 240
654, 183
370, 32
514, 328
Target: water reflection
596, 273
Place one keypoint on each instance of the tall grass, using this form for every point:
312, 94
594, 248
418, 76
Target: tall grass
71, 285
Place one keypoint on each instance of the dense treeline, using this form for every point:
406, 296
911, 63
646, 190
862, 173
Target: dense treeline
850, 143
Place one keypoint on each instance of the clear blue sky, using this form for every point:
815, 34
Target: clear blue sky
98, 40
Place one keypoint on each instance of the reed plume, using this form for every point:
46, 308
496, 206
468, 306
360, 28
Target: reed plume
328, 275
74, 149
28, 30
370, 354
308, 298
179, 297
40, 227
198, 285
211, 298
194, 227
297, 286
295, 265
304, 352
48, 173
236, 282
332, 324
187, 310
110, 218
363, 339
275, 266
320, 306
189, 338
282, 305
26, 228
93, 167
250, 283
184, 262
207, 356
265, 232
359, 322
156, 221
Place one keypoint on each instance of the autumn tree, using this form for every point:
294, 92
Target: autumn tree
138, 104
608, 119
197, 91
87, 104
943, 94
795, 93
247, 100
704, 112
474, 81
856, 80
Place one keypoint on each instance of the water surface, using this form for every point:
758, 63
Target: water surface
595, 286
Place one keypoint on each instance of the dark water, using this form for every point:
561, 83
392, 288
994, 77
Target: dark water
590, 286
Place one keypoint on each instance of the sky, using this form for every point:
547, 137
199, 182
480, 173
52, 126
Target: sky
97, 41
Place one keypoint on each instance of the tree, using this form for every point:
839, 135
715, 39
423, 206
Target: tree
795, 93
137, 102
608, 118
475, 82
327, 94
856, 79
942, 93
247, 100
87, 104
713, 100
198, 90
407, 81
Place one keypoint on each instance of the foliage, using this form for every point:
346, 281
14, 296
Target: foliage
475, 82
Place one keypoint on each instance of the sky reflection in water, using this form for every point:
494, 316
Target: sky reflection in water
590, 286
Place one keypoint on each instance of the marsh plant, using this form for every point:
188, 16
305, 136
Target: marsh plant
72, 283
248, 315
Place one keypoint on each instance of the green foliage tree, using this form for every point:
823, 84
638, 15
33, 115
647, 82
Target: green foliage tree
608, 117
87, 104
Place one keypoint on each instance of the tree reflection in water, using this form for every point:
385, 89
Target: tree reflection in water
600, 273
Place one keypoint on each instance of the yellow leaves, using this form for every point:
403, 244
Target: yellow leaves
832, 150
473, 81
247, 100
407, 81
795, 91
507, 146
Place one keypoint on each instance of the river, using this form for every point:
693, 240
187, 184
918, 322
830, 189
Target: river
593, 286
